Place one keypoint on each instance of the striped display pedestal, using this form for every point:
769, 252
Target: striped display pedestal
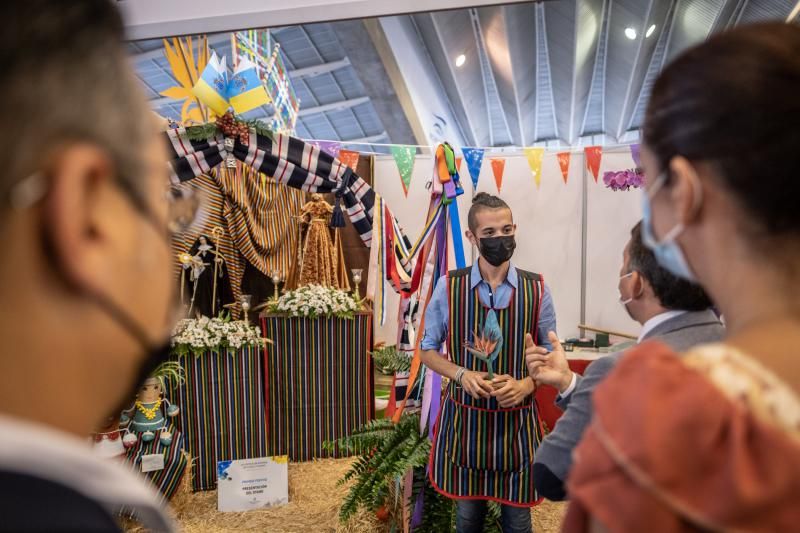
319, 381
222, 410
168, 479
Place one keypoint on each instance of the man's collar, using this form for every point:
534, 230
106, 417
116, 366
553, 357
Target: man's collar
656, 321
476, 278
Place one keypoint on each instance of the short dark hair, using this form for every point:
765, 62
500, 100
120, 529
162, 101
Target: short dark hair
67, 78
732, 102
673, 292
481, 202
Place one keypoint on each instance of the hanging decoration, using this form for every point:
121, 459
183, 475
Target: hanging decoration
242, 91
474, 157
332, 148
534, 156
185, 69
349, 158
404, 158
498, 168
563, 162
593, 156
623, 180
259, 48
637, 158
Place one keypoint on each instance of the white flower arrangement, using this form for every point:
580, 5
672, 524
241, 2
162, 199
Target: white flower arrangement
314, 301
200, 335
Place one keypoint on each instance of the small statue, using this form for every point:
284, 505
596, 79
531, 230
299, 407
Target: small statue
319, 255
151, 410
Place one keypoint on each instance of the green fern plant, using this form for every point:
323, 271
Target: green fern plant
390, 361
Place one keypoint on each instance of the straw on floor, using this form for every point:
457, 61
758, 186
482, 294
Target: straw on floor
314, 500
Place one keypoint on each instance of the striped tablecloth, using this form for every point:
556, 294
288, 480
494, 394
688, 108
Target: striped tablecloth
319, 381
222, 410
169, 478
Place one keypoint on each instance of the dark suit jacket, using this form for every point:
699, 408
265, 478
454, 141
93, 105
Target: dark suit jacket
554, 455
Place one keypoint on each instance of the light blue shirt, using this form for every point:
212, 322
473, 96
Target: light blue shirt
438, 313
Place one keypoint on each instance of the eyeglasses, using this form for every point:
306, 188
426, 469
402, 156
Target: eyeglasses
182, 211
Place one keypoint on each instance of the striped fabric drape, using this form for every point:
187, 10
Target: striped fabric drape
222, 410
319, 382
256, 214
298, 165
167, 480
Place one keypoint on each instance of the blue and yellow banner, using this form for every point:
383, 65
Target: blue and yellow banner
243, 91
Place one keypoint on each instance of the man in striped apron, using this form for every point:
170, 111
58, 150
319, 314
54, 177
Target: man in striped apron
488, 430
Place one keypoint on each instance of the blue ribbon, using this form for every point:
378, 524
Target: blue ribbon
455, 228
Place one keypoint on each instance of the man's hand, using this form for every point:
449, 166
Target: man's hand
511, 392
548, 368
476, 385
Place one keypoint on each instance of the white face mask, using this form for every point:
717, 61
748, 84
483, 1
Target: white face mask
626, 301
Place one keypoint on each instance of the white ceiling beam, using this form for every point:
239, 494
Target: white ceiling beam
159, 52
148, 19
334, 106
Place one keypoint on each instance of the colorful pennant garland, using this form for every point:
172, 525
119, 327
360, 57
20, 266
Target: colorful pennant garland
474, 157
349, 158
498, 167
404, 158
593, 156
331, 148
534, 156
635, 155
563, 162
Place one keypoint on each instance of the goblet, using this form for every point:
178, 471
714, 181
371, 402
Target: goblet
245, 301
357, 272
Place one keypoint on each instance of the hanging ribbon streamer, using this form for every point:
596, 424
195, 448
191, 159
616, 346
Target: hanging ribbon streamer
498, 168
637, 158
474, 157
563, 162
404, 158
349, 158
534, 156
593, 156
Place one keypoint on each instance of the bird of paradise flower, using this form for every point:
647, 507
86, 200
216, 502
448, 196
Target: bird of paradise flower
487, 344
187, 70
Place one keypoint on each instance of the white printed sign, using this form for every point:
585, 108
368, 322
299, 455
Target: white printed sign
247, 484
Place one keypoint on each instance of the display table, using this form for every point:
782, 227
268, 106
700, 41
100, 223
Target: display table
222, 410
319, 382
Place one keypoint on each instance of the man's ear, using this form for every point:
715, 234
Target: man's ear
639, 284
471, 237
80, 177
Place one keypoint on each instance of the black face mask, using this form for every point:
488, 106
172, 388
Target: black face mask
154, 354
497, 250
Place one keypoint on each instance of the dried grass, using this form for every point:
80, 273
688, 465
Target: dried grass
314, 500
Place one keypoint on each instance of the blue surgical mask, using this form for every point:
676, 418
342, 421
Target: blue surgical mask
668, 252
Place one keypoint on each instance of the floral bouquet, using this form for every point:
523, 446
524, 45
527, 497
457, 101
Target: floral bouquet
623, 180
313, 301
200, 335
487, 344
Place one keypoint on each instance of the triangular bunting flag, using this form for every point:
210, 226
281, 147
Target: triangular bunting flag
498, 167
458, 164
593, 155
349, 158
404, 157
635, 155
329, 147
474, 157
534, 156
563, 162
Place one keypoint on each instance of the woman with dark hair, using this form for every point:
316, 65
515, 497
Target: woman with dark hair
711, 440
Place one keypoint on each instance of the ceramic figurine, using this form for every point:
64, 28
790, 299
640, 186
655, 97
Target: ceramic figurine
151, 411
